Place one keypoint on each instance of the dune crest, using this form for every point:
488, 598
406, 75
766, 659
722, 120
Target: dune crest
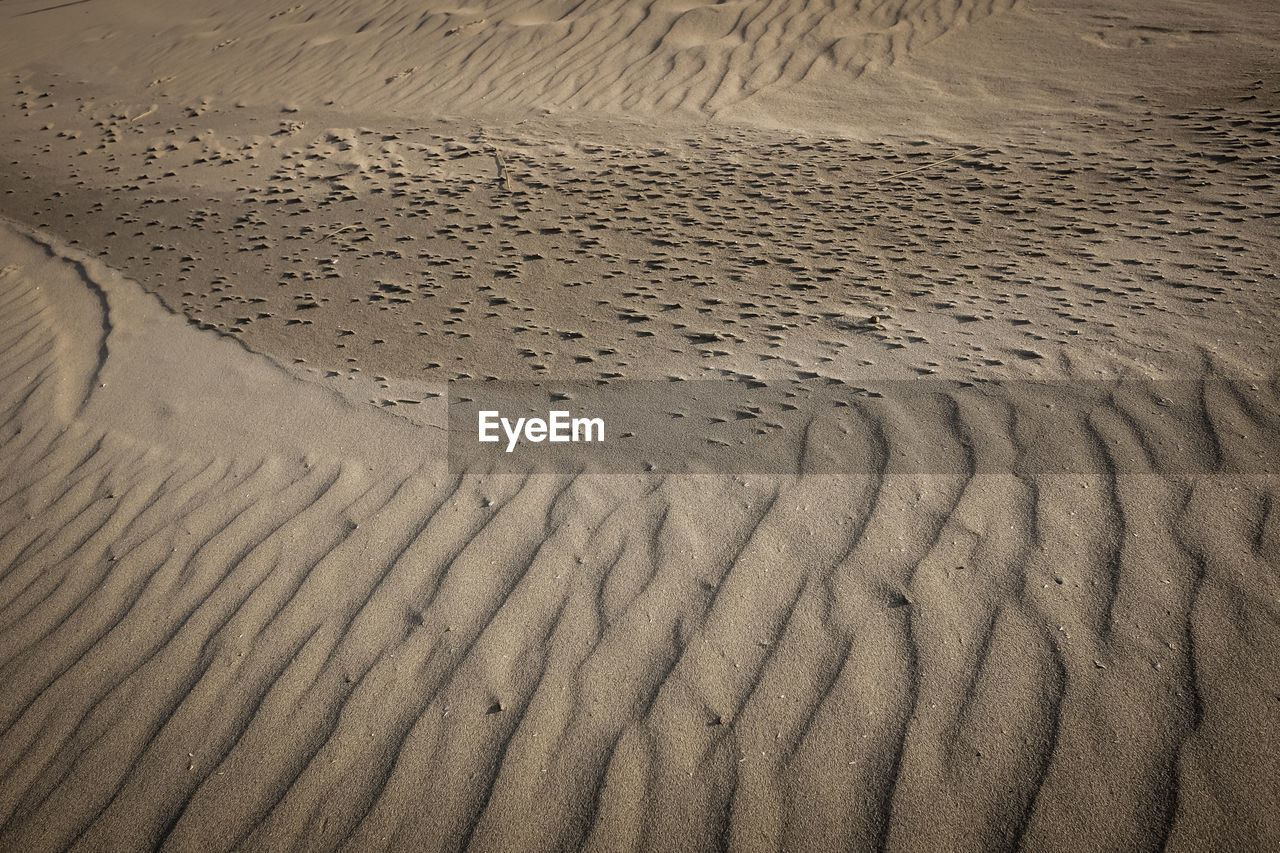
116, 359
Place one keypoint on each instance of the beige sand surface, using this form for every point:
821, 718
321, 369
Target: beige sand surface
247, 249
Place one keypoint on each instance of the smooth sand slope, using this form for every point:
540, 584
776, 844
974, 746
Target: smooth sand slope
246, 250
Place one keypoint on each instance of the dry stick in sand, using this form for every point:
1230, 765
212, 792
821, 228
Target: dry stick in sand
466, 26
503, 175
502, 170
336, 232
929, 165
144, 115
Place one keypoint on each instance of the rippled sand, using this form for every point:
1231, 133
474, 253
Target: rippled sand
245, 602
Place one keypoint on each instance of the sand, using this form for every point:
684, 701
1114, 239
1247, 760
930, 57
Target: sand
1014, 583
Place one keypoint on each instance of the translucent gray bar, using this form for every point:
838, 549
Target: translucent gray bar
924, 426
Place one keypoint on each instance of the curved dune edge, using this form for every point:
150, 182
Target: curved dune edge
129, 366
203, 647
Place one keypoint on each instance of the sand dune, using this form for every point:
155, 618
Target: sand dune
253, 598
619, 56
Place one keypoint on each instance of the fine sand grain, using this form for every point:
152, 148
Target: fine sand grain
249, 250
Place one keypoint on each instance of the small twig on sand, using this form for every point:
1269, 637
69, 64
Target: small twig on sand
503, 174
145, 114
463, 27
336, 232
929, 165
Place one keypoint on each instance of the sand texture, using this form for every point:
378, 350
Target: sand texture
1017, 588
